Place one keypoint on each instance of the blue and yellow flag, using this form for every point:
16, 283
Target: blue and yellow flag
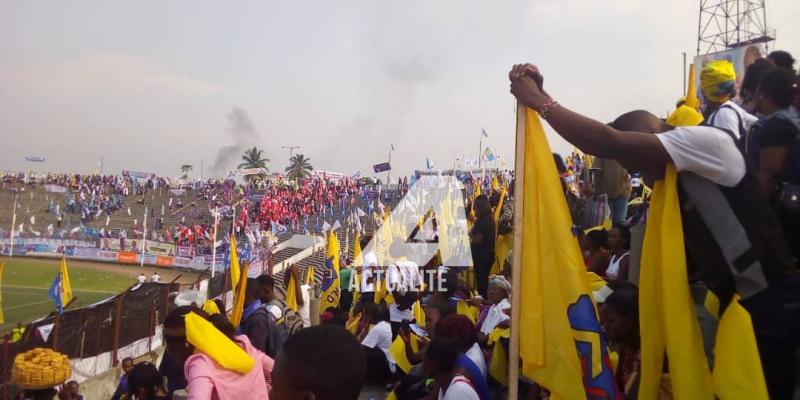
66, 286
55, 293
330, 286
563, 348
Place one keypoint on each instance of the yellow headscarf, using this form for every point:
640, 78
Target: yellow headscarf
718, 81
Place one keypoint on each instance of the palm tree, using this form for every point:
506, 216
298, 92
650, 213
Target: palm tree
299, 167
185, 168
252, 159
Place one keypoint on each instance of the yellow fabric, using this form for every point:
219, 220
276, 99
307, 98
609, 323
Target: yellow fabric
419, 314
291, 294
711, 303
553, 277
687, 114
596, 282
238, 300
330, 297
498, 367
210, 307
310, 275
2, 270
668, 323
391, 396
717, 81
737, 367
499, 209
398, 352
613, 357
467, 310
352, 324
502, 249
66, 286
234, 263
380, 291
208, 340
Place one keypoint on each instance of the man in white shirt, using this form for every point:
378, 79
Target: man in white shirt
155, 278
403, 279
142, 278
725, 214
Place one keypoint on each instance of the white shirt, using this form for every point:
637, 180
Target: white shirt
304, 312
459, 389
706, 151
380, 336
367, 273
402, 276
476, 355
728, 118
142, 279
155, 278
495, 315
276, 311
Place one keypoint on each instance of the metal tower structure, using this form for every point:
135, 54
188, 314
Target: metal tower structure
726, 24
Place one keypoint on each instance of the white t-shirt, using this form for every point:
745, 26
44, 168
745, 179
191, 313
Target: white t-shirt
155, 278
728, 117
706, 151
380, 336
495, 315
142, 279
370, 260
305, 313
276, 311
476, 355
402, 276
459, 389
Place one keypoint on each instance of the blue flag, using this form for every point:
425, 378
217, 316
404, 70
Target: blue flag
55, 293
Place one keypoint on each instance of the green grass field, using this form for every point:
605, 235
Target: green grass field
26, 282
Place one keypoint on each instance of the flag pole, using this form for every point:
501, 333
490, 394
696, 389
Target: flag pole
214, 243
389, 171
516, 269
480, 149
13, 226
144, 235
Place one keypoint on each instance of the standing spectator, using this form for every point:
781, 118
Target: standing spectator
302, 296
718, 84
782, 59
323, 362
403, 280
613, 180
142, 279
255, 318
482, 238
440, 363
155, 278
269, 300
122, 387
774, 146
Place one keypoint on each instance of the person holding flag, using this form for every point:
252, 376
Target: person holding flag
61, 289
720, 218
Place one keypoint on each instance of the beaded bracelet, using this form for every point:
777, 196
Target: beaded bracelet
548, 107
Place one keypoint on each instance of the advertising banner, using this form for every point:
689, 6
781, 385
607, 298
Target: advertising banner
127, 257
186, 251
163, 261
183, 262
87, 252
160, 248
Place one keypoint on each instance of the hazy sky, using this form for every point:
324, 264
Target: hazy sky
150, 85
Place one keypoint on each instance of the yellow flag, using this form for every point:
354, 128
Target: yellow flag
291, 294
668, 323
330, 285
208, 340
737, 366
691, 91
66, 286
502, 249
234, 263
238, 299
467, 310
559, 330
398, 352
498, 367
352, 324
687, 114
419, 314
210, 307
310, 275
499, 209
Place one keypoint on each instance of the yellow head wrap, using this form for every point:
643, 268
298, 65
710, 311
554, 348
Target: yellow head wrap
210, 307
208, 340
685, 116
718, 80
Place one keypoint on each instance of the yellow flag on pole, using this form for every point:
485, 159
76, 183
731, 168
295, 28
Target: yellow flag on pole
238, 299
563, 349
66, 286
234, 263
330, 285
291, 293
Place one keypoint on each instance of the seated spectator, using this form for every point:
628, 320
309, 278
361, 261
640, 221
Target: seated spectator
497, 314
71, 391
440, 363
619, 245
375, 334
470, 362
595, 252
146, 383
122, 387
323, 362
206, 378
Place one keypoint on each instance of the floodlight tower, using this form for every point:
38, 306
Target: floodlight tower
727, 24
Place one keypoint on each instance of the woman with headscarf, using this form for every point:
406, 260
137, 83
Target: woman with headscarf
218, 364
497, 314
718, 85
470, 363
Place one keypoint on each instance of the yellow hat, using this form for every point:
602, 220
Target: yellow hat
718, 81
685, 116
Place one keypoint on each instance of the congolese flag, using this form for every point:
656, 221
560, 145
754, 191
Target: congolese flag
562, 346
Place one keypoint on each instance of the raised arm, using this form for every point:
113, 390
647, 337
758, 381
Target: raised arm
635, 149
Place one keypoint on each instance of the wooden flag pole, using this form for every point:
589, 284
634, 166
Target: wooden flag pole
516, 270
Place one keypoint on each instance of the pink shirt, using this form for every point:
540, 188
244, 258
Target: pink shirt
208, 381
